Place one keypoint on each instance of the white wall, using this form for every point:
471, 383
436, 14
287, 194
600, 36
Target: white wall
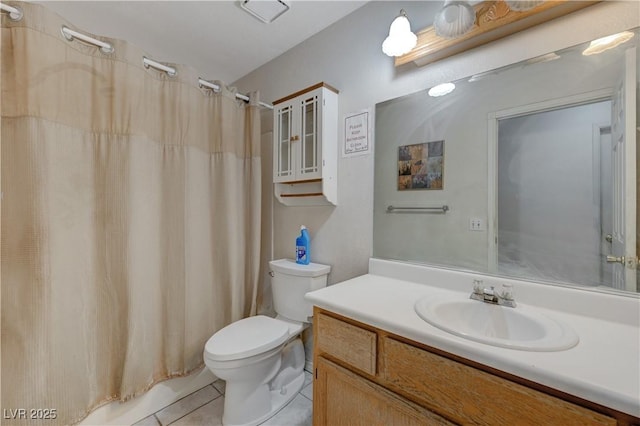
348, 56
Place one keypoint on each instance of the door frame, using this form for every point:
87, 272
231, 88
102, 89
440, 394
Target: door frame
492, 150
598, 130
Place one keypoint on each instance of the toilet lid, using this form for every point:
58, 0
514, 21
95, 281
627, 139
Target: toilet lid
247, 337
290, 267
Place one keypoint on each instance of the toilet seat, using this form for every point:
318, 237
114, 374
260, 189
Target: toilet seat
247, 337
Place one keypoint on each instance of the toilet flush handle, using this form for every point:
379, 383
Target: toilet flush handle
271, 274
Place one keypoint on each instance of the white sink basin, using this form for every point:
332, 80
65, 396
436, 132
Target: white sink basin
517, 328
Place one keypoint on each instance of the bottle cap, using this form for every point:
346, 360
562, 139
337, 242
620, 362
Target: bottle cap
302, 227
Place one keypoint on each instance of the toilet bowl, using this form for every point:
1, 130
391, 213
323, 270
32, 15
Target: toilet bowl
262, 358
248, 354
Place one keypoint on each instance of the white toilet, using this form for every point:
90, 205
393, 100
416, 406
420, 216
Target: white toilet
262, 358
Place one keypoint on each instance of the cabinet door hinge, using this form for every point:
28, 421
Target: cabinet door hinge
316, 373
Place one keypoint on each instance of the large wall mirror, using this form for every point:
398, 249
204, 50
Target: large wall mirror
527, 171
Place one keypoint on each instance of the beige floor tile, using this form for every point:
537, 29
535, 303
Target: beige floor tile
308, 378
206, 406
186, 405
209, 414
148, 421
220, 385
307, 391
297, 413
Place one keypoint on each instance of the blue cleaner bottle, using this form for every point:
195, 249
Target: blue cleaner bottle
302, 246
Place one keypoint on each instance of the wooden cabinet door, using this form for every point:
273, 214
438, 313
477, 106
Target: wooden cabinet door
470, 396
342, 398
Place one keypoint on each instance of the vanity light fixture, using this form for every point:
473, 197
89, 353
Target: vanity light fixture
400, 40
441, 89
454, 19
608, 42
265, 10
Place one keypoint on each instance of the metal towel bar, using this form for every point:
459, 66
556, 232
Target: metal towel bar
441, 209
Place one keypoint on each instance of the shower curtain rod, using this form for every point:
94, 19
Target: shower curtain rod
69, 34
146, 62
15, 14
216, 88
171, 71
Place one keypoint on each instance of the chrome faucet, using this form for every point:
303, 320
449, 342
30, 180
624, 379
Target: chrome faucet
490, 295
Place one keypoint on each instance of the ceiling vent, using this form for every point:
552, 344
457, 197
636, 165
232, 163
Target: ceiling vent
265, 10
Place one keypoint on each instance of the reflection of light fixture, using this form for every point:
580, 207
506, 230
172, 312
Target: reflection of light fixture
606, 43
537, 60
522, 5
400, 40
543, 58
480, 76
454, 19
265, 10
441, 89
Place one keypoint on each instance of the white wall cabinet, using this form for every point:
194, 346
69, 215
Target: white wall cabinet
305, 147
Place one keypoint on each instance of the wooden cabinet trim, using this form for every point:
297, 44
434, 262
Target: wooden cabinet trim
303, 91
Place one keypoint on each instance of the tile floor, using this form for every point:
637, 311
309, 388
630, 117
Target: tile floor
204, 407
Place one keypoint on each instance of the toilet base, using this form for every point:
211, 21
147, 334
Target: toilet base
279, 398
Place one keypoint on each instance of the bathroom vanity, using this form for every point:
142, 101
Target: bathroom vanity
377, 362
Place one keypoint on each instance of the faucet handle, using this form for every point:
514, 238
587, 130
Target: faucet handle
507, 291
478, 286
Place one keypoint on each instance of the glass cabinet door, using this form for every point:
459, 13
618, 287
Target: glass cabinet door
282, 151
309, 138
297, 141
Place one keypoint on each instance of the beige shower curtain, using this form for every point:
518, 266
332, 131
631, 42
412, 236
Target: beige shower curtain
130, 219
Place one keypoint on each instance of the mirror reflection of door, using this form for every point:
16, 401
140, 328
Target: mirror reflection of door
549, 202
623, 153
579, 151
565, 188
602, 140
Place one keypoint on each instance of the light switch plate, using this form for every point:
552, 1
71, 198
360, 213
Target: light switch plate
476, 224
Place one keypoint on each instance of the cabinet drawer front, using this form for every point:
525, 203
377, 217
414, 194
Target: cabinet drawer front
345, 342
467, 395
346, 399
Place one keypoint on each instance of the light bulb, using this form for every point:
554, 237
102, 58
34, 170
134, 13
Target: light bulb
454, 19
400, 40
441, 89
606, 43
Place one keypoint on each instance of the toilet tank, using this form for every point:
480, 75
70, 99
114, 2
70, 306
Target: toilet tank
290, 281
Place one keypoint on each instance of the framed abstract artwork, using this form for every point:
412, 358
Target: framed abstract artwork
421, 166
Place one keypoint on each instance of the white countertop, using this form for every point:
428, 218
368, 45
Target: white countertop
604, 367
